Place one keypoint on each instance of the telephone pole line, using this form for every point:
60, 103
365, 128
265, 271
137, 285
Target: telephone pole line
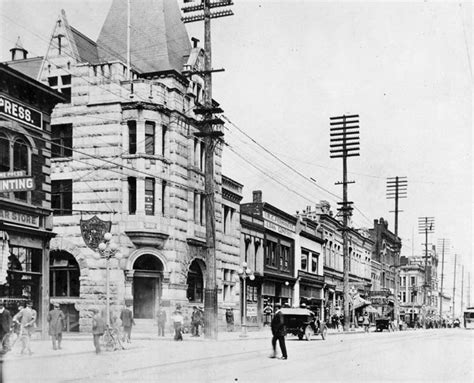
396, 189
425, 226
443, 247
344, 132
210, 137
462, 288
454, 286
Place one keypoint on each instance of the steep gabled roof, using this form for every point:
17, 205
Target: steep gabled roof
158, 37
86, 48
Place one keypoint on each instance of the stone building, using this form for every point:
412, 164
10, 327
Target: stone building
25, 189
125, 154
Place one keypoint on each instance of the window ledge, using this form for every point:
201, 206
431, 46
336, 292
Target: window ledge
146, 156
61, 159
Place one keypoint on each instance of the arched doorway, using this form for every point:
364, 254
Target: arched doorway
64, 282
195, 283
148, 271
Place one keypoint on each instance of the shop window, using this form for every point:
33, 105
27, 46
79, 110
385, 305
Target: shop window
61, 137
149, 196
149, 137
132, 137
61, 197
195, 283
132, 195
64, 275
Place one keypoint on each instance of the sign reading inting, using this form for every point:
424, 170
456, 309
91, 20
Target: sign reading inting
20, 112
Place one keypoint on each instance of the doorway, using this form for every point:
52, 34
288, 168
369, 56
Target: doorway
146, 286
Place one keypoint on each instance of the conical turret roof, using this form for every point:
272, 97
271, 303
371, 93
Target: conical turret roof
159, 41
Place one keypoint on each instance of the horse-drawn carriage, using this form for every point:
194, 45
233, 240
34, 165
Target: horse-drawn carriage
303, 323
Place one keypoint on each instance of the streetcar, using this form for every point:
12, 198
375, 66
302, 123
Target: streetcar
469, 318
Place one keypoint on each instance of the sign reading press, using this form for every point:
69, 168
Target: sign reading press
20, 112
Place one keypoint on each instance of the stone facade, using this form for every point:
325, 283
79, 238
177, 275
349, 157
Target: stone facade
136, 163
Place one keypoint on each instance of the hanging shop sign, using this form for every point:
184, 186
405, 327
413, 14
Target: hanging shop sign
15, 182
20, 112
93, 231
21, 218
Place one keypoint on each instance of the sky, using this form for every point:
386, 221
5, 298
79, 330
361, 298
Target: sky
404, 67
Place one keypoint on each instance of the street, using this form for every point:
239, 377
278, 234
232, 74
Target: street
410, 356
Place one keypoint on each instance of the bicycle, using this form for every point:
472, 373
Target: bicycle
111, 339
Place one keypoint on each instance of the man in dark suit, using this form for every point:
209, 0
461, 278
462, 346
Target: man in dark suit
126, 316
5, 325
98, 329
279, 332
56, 320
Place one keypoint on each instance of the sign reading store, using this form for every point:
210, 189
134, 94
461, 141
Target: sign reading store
20, 112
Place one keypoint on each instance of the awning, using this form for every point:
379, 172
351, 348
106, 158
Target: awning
358, 301
371, 309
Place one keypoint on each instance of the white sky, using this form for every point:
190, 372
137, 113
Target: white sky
404, 67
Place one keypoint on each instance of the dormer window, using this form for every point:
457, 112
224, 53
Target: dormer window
61, 84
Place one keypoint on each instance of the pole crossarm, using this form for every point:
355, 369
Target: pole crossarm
213, 15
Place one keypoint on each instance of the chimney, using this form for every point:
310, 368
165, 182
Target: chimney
17, 49
195, 41
257, 196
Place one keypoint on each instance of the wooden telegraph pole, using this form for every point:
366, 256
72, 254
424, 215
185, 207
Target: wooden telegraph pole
396, 189
210, 136
425, 226
344, 132
443, 250
454, 286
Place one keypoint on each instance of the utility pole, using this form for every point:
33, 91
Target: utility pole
454, 286
443, 246
210, 137
396, 189
468, 289
344, 132
425, 226
462, 288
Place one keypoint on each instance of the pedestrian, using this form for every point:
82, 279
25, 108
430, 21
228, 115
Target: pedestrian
278, 331
27, 319
229, 318
267, 311
366, 322
98, 329
196, 319
161, 317
126, 316
177, 319
56, 320
5, 325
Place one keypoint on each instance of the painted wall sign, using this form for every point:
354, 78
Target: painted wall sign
16, 184
20, 112
21, 218
277, 224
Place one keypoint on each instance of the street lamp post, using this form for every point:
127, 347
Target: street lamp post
108, 249
244, 273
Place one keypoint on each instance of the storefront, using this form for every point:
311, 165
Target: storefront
25, 201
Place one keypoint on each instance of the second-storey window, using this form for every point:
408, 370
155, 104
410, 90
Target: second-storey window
21, 159
132, 137
149, 137
61, 137
132, 195
149, 196
61, 197
304, 260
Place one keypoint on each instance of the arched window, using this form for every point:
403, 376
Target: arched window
64, 275
4, 153
195, 283
21, 161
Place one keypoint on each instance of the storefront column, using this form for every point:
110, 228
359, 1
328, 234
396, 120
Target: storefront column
296, 293
129, 285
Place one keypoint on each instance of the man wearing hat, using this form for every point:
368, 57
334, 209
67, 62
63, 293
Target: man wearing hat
5, 324
56, 324
279, 332
27, 319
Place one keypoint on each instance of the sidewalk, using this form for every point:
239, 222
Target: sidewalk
81, 343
